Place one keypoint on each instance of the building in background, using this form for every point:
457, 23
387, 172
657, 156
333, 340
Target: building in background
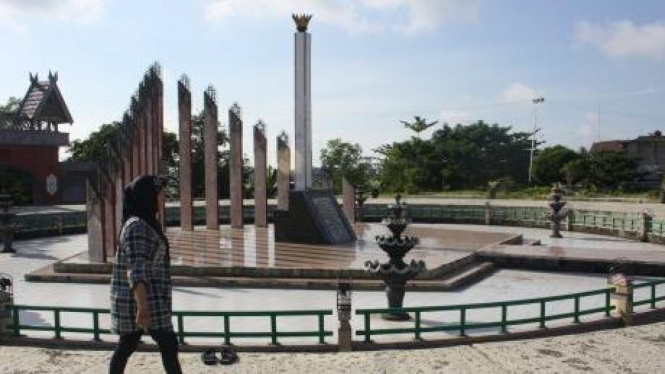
648, 150
30, 139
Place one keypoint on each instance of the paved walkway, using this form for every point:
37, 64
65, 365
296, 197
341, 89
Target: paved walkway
629, 350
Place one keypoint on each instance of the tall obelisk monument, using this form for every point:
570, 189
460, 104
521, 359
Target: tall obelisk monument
311, 215
303, 107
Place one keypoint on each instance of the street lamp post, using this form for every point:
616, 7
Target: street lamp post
536, 100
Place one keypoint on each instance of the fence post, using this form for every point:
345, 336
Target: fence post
95, 326
646, 223
6, 315
504, 318
488, 213
344, 333
622, 297
273, 329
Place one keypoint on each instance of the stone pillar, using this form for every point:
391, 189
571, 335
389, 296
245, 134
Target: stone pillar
109, 220
148, 124
235, 170
119, 191
158, 128
185, 149
260, 176
646, 225
210, 158
488, 213
142, 142
95, 222
348, 200
125, 148
136, 141
283, 171
303, 105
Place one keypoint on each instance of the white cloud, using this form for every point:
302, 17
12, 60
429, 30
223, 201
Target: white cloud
454, 117
14, 13
427, 15
354, 16
624, 38
518, 92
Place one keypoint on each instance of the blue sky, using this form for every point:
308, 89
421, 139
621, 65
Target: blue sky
375, 62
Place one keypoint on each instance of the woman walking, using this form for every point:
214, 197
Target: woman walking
141, 280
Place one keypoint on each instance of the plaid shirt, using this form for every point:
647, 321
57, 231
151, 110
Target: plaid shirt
141, 257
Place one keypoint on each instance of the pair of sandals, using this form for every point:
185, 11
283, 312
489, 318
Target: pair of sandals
226, 356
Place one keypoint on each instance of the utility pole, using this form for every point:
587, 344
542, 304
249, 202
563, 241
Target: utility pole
536, 100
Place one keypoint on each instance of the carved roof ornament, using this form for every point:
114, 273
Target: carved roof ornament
236, 110
260, 126
301, 20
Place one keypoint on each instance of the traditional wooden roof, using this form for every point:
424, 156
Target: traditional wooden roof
44, 103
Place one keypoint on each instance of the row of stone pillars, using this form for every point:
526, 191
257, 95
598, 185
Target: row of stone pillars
136, 150
236, 171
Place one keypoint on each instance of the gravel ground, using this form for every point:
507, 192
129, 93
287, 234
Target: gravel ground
629, 350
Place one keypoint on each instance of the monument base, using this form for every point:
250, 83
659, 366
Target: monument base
314, 217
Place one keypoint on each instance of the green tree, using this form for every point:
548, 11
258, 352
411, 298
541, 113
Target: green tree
418, 125
8, 111
479, 153
548, 164
93, 147
344, 160
576, 171
198, 165
170, 149
609, 169
11, 106
17, 183
455, 157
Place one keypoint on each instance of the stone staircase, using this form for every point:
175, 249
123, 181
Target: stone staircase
448, 277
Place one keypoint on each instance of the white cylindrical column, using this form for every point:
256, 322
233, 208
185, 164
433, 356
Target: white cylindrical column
303, 111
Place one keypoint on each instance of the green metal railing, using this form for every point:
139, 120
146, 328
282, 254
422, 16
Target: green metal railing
463, 326
613, 222
616, 221
223, 319
459, 324
653, 297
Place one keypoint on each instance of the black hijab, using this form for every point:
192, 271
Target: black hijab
140, 200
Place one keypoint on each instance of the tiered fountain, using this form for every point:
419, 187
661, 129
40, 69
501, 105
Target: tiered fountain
558, 213
395, 273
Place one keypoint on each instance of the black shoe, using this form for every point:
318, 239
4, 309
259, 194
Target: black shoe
209, 357
229, 356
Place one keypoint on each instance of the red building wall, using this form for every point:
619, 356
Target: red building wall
39, 162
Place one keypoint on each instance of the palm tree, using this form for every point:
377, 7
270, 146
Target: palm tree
418, 125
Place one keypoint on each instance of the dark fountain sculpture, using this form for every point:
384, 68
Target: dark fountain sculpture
558, 213
6, 226
396, 272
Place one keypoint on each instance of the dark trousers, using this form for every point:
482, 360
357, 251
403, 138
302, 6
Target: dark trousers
168, 347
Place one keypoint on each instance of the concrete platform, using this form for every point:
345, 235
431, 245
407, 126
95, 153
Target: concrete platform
575, 259
250, 257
